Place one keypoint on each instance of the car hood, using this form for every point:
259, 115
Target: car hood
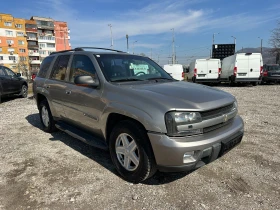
181, 95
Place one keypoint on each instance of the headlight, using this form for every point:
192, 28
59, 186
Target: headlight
235, 107
175, 121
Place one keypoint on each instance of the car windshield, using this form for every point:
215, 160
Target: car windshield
123, 68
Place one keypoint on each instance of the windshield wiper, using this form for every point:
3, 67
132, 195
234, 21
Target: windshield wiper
126, 80
156, 78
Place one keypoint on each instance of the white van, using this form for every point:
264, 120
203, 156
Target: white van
242, 67
204, 70
175, 70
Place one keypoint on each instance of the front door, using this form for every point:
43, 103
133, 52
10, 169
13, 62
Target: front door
5, 81
15, 81
83, 104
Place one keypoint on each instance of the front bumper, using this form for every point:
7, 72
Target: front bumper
271, 79
169, 151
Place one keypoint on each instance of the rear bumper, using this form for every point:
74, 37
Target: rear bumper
169, 151
271, 78
237, 79
207, 80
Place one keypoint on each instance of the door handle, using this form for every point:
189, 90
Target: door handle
47, 86
251, 70
209, 71
68, 92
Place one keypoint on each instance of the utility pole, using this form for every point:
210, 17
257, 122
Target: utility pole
261, 43
173, 47
112, 44
234, 42
133, 46
127, 42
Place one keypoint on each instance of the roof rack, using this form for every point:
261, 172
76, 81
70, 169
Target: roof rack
97, 48
82, 49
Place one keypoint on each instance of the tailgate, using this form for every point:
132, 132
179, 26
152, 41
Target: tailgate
254, 66
202, 69
213, 69
243, 66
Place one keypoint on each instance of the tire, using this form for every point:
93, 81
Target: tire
130, 133
46, 117
254, 83
24, 91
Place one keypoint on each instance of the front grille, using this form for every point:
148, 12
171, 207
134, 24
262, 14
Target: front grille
216, 112
214, 127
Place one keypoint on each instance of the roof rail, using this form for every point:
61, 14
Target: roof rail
65, 51
97, 48
82, 49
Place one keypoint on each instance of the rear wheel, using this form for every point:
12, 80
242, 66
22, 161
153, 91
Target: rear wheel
24, 91
46, 117
131, 152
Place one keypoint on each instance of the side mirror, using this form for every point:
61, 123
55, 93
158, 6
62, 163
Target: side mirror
86, 81
19, 74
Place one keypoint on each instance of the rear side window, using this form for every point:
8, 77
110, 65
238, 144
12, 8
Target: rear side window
81, 65
59, 68
45, 67
2, 73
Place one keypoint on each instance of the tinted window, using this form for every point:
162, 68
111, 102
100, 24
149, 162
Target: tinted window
9, 72
81, 65
45, 66
2, 73
59, 68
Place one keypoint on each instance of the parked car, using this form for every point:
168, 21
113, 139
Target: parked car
11, 83
205, 71
176, 71
271, 73
147, 120
242, 68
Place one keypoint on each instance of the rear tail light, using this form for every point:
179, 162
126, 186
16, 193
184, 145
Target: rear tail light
195, 72
265, 74
235, 71
183, 74
261, 70
219, 71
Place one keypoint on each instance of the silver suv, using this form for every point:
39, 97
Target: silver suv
129, 105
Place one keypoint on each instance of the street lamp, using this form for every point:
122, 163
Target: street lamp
110, 25
214, 37
133, 46
261, 43
127, 42
234, 41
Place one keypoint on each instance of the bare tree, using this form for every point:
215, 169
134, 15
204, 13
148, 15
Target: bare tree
274, 41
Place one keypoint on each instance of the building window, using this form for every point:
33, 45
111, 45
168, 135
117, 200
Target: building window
22, 50
22, 58
42, 45
12, 58
42, 52
0, 49
9, 33
18, 25
50, 45
20, 34
10, 42
20, 42
8, 24
11, 49
1, 58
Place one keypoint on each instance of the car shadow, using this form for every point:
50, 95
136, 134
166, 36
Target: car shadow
102, 157
5, 99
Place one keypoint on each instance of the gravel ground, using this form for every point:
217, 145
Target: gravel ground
55, 171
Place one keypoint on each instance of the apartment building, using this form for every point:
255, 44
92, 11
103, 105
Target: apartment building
62, 36
25, 43
13, 45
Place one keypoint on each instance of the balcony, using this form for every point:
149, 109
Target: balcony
31, 38
33, 46
33, 53
49, 27
33, 30
68, 37
35, 62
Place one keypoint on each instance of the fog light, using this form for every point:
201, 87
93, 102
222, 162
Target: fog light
189, 157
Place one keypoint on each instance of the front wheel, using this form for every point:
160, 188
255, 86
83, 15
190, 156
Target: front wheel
24, 91
131, 152
46, 117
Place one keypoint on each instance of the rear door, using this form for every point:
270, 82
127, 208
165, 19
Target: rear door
254, 64
4, 81
56, 84
202, 69
242, 63
213, 69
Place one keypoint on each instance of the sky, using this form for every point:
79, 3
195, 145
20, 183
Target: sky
150, 24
